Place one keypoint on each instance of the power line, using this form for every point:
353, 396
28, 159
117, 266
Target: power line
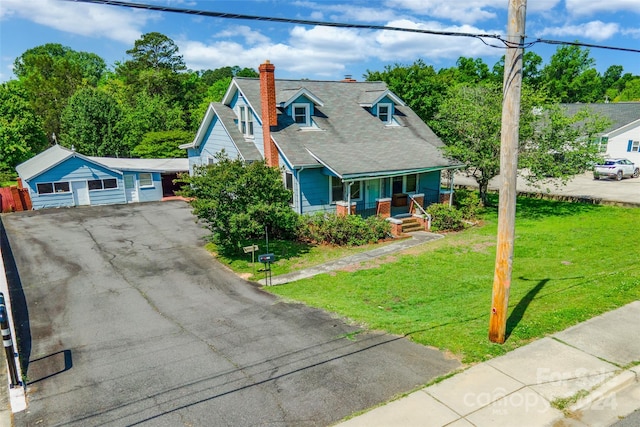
226, 15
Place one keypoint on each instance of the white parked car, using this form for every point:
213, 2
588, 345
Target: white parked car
616, 168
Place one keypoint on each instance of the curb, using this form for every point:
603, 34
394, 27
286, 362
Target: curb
6, 415
603, 392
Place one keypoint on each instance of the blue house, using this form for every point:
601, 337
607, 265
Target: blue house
60, 177
342, 146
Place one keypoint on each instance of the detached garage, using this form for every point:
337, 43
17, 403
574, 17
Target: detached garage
60, 177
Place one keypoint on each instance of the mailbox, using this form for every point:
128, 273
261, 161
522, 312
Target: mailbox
266, 258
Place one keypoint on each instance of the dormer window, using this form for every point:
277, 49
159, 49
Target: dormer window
385, 113
245, 121
301, 114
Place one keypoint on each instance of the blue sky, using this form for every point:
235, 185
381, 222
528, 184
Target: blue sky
319, 52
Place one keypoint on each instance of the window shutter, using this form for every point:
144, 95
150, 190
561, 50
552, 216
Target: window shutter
629, 145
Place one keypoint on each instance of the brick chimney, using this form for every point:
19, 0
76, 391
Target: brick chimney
269, 112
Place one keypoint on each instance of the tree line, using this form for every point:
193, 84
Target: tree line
150, 103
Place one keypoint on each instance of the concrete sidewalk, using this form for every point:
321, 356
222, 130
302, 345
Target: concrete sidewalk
592, 367
417, 238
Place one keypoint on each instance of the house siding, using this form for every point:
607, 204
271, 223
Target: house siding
429, 185
151, 194
215, 140
618, 144
75, 169
315, 190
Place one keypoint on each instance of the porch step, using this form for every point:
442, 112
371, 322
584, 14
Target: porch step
410, 224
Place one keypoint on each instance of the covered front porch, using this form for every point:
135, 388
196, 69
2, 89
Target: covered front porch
395, 197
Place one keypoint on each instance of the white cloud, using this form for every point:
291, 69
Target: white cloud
250, 36
468, 11
632, 32
594, 30
79, 18
318, 51
347, 12
591, 7
394, 45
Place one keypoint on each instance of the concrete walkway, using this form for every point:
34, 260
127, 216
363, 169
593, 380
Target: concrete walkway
591, 367
417, 238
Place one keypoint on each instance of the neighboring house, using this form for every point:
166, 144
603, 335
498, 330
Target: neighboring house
339, 144
60, 177
622, 137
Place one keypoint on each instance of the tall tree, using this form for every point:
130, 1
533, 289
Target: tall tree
90, 124
21, 136
570, 76
154, 67
418, 84
51, 73
531, 63
156, 51
552, 146
631, 91
468, 121
162, 145
148, 114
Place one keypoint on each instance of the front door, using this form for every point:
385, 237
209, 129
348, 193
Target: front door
130, 191
80, 193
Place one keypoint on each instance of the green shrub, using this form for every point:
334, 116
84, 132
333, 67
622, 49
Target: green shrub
237, 201
467, 202
445, 217
350, 230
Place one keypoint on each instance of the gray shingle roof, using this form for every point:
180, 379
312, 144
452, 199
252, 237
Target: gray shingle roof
144, 165
57, 154
620, 113
350, 140
44, 161
227, 117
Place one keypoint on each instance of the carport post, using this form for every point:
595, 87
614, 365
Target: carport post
8, 343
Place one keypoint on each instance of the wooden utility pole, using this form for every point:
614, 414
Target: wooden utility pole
508, 170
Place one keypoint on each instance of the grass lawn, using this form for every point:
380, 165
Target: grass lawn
290, 256
572, 262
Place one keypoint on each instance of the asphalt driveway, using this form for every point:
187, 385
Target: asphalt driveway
126, 320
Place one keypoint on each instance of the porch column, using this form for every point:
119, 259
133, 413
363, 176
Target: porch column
342, 208
383, 207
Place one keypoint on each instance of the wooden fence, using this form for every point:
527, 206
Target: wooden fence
13, 199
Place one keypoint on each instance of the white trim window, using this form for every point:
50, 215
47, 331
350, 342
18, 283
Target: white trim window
301, 114
385, 112
102, 184
245, 121
146, 179
53, 187
338, 190
356, 191
404, 184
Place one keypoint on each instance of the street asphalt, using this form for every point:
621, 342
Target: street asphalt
581, 188
124, 319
